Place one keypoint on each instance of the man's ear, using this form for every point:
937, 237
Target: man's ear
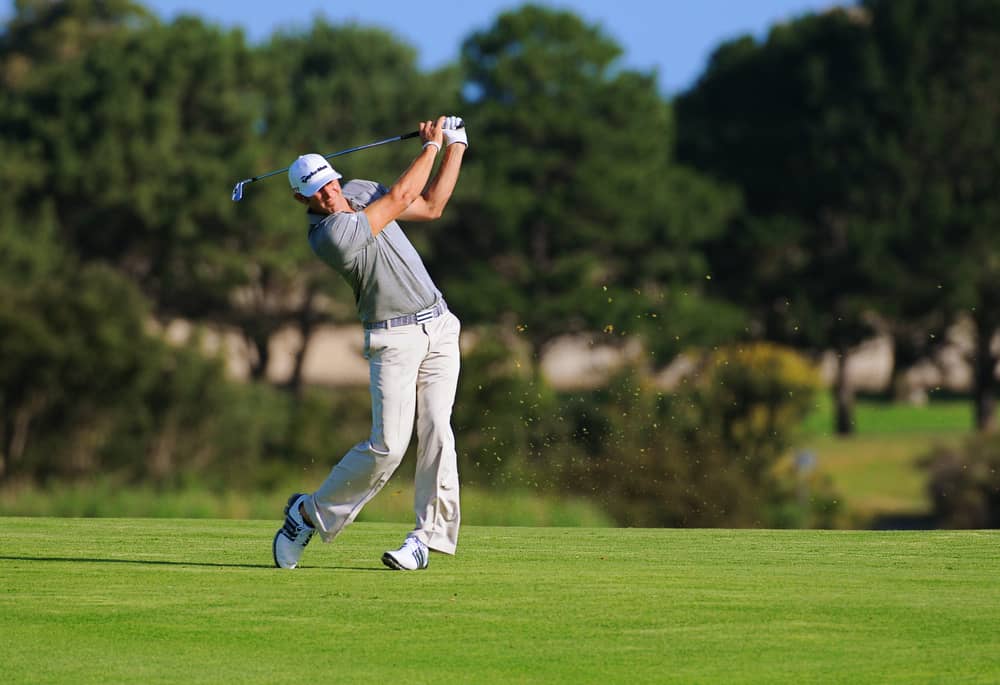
299, 197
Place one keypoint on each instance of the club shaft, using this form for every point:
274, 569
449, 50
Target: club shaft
348, 151
238, 189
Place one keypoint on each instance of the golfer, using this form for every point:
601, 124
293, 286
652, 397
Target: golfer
411, 344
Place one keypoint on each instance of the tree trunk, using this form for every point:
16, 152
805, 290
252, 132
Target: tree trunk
4, 431
20, 429
844, 396
307, 323
984, 380
260, 342
160, 460
905, 356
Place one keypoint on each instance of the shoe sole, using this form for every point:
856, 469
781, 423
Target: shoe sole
391, 562
274, 552
274, 542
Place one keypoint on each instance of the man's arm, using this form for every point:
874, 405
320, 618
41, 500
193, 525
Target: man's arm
431, 203
409, 185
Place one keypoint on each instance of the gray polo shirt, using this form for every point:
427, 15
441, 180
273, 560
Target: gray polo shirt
386, 273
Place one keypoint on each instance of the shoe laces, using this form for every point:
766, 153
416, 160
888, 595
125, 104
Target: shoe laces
294, 530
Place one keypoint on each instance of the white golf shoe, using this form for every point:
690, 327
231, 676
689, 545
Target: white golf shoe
412, 556
293, 536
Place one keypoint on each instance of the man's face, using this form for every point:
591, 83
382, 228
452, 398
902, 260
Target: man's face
328, 199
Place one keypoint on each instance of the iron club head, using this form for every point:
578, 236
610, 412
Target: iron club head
238, 190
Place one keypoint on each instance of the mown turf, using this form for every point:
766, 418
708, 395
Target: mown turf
195, 601
876, 474
878, 417
879, 470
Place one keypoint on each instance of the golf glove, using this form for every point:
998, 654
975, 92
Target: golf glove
454, 131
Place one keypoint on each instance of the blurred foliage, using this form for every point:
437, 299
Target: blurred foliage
964, 483
789, 120
582, 220
705, 454
503, 413
811, 187
756, 395
864, 140
942, 161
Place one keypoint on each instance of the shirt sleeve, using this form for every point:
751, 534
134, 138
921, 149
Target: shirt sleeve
361, 193
342, 238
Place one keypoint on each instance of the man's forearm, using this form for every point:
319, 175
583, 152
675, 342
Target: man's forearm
413, 180
403, 192
442, 186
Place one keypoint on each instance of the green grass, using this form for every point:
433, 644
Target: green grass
105, 498
877, 474
877, 417
878, 470
195, 601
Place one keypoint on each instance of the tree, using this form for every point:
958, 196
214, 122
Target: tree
705, 454
155, 124
69, 361
572, 216
942, 115
140, 124
789, 122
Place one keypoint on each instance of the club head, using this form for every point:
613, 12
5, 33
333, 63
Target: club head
238, 191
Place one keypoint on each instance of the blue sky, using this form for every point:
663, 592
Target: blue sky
673, 37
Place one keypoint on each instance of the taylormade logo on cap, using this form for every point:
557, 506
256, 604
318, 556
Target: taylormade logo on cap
309, 173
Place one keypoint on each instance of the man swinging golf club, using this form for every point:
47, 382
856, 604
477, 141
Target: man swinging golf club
411, 343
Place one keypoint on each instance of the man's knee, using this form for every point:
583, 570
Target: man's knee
386, 453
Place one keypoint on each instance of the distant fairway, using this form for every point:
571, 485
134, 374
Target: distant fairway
195, 601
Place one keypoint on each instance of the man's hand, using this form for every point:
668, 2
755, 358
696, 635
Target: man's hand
430, 131
454, 131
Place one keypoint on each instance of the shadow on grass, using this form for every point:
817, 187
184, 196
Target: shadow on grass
152, 562
904, 522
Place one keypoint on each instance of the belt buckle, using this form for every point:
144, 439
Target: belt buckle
432, 312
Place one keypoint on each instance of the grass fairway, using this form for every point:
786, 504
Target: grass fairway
878, 471
196, 601
877, 474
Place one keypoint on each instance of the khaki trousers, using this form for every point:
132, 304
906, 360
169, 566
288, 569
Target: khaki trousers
414, 374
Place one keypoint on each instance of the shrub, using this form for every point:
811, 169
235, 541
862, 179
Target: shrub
505, 414
964, 483
701, 455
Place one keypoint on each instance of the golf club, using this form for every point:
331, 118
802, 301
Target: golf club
238, 188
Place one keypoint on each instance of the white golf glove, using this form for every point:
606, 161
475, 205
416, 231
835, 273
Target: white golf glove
454, 131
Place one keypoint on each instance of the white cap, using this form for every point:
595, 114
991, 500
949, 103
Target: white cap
309, 173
